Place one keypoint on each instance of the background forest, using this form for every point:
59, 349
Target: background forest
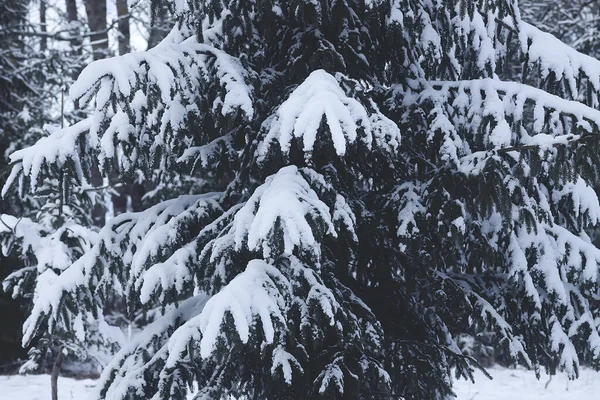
44, 46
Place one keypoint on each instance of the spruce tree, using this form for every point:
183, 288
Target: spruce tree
24, 101
46, 230
352, 184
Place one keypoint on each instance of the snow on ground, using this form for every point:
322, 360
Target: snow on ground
519, 384
507, 385
37, 387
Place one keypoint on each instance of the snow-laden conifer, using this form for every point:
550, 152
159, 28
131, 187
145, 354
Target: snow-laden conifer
353, 184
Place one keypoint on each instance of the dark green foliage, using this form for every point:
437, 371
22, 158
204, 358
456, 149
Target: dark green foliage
379, 191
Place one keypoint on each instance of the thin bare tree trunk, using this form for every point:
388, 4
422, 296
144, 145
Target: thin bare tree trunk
124, 35
128, 197
55, 372
75, 34
43, 27
161, 25
96, 14
74, 31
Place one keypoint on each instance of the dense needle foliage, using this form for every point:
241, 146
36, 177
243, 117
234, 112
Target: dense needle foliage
341, 188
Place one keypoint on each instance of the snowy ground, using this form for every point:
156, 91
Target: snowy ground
37, 387
522, 385
507, 385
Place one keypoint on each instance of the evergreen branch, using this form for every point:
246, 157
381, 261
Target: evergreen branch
572, 108
571, 140
446, 350
102, 188
6, 225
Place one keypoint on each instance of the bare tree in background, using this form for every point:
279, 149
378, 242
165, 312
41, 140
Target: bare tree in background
74, 25
124, 35
161, 24
128, 196
575, 22
43, 27
96, 14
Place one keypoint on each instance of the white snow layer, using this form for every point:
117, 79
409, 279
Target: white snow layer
320, 96
285, 197
123, 78
252, 293
520, 384
508, 384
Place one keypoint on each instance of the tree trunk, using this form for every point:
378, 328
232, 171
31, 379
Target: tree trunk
74, 31
55, 372
43, 27
161, 25
124, 36
96, 14
75, 34
128, 197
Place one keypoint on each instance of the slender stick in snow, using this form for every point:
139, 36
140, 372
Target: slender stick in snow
55, 372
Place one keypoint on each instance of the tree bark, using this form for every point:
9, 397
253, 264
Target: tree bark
55, 372
124, 35
43, 27
161, 26
128, 197
96, 14
74, 31
75, 35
